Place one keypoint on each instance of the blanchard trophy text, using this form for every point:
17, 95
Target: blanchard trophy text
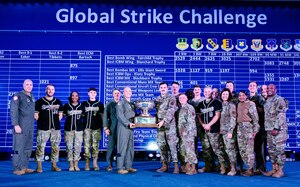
145, 119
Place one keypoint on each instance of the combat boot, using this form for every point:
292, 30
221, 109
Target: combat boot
271, 172
232, 171
95, 164
76, 165
39, 167
279, 173
176, 168
163, 168
55, 167
87, 165
222, 168
248, 173
71, 166
184, 167
192, 170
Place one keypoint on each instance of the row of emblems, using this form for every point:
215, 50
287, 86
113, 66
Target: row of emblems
241, 44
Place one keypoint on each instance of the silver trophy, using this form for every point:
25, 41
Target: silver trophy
145, 119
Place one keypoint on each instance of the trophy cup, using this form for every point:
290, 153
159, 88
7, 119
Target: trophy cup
145, 119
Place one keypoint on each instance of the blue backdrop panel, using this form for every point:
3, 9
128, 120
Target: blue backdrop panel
80, 46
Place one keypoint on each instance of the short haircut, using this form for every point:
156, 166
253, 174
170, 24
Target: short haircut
229, 82
197, 86
92, 89
163, 83
174, 82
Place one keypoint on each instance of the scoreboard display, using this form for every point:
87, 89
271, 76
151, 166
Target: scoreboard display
78, 46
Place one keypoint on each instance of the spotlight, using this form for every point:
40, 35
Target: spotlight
150, 155
47, 157
152, 146
157, 155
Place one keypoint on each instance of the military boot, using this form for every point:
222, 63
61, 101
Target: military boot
248, 173
39, 167
87, 165
192, 170
163, 168
95, 164
176, 168
55, 167
222, 168
279, 173
76, 165
232, 171
271, 172
71, 166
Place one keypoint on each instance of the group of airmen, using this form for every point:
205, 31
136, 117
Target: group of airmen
233, 129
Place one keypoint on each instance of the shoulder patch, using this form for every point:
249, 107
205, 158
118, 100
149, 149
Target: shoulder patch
15, 98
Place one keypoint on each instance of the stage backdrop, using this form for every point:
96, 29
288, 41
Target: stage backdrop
77, 46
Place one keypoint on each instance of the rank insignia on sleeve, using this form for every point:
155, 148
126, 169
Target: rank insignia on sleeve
15, 98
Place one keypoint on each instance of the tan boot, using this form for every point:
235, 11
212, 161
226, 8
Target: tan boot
279, 173
95, 164
192, 170
55, 167
271, 172
163, 168
248, 173
39, 167
184, 167
232, 171
87, 165
76, 165
71, 166
222, 169
176, 168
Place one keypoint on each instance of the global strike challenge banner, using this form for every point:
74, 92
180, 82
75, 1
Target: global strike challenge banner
78, 46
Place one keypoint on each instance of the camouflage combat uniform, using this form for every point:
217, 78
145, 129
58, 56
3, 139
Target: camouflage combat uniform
247, 118
48, 125
187, 133
167, 139
73, 129
228, 123
212, 138
93, 125
275, 118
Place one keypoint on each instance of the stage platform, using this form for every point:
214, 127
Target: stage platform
146, 176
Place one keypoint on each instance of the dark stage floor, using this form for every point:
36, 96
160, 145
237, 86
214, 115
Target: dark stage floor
146, 176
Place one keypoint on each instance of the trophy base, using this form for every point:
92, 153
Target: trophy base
145, 122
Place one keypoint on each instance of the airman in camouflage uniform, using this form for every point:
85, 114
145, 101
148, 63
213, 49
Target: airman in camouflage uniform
167, 138
48, 113
93, 124
187, 133
209, 117
208, 156
73, 128
247, 118
276, 127
227, 126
